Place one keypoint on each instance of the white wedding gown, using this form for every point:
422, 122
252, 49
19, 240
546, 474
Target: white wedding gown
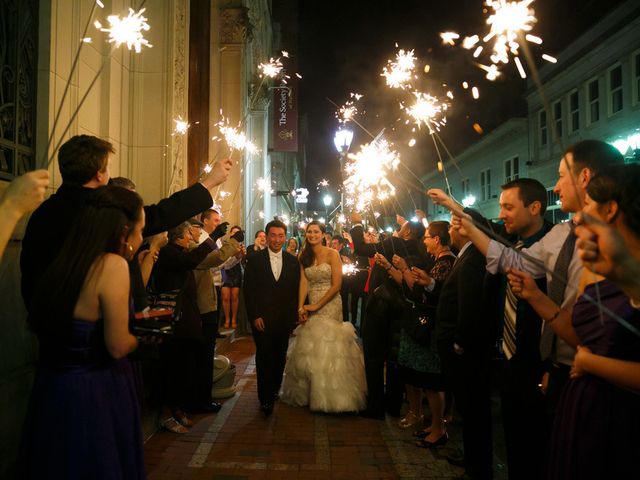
325, 365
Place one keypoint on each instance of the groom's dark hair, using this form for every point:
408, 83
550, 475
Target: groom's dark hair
275, 224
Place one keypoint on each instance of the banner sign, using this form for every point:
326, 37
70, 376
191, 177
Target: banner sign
285, 116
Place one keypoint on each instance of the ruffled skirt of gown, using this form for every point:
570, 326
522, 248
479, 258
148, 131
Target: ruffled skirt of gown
325, 365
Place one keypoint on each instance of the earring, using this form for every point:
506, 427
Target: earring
129, 249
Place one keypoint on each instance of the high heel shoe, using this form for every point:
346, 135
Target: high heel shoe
410, 419
424, 443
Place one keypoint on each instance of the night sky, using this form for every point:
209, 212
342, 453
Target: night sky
343, 46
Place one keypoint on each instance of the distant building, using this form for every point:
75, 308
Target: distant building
593, 92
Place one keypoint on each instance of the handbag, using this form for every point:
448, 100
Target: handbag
418, 323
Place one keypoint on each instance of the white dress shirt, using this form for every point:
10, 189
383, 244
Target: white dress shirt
276, 263
545, 251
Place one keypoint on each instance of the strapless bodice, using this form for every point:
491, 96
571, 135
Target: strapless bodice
81, 349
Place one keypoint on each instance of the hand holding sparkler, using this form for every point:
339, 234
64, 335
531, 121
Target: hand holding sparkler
400, 263
400, 220
218, 174
603, 251
438, 197
420, 276
25, 193
382, 261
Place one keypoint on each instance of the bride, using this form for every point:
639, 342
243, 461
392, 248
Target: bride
325, 366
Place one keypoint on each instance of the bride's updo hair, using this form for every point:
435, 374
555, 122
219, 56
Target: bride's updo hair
306, 254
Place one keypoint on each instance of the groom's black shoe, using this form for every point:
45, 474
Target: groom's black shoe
267, 409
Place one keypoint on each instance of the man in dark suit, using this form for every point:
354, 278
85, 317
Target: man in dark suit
84, 165
271, 282
380, 330
465, 335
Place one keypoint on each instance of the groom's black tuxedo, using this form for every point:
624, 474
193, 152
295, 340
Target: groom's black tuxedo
276, 302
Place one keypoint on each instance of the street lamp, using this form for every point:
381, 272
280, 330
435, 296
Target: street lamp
342, 140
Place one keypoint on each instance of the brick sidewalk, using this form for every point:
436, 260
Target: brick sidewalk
240, 443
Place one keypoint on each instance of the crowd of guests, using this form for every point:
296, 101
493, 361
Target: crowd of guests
432, 303
542, 298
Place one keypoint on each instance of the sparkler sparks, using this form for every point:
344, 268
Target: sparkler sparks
449, 37
399, 74
366, 174
128, 30
349, 269
181, 126
236, 140
509, 23
426, 110
264, 185
271, 69
349, 110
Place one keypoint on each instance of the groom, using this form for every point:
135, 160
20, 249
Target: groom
271, 283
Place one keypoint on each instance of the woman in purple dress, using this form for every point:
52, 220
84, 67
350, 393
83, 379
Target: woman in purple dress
596, 433
83, 419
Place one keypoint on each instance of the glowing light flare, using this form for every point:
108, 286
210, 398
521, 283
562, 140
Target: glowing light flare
349, 269
207, 168
128, 30
449, 38
426, 110
366, 174
412, 142
264, 185
519, 66
270, 69
181, 126
236, 140
475, 93
549, 58
399, 73
492, 71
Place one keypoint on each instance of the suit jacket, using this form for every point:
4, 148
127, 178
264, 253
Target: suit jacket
388, 248
50, 224
174, 270
466, 308
276, 302
204, 276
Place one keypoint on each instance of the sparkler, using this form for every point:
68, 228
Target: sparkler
271, 69
399, 74
509, 23
349, 110
366, 173
181, 126
349, 269
426, 110
128, 30
449, 37
236, 139
264, 185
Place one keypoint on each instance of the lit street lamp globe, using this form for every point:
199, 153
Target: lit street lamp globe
327, 200
342, 140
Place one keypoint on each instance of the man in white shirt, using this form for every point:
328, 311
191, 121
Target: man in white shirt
271, 284
576, 168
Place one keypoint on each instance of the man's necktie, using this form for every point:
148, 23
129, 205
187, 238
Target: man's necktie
556, 289
510, 314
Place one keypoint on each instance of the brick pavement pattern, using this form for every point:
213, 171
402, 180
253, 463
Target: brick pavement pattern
293, 443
